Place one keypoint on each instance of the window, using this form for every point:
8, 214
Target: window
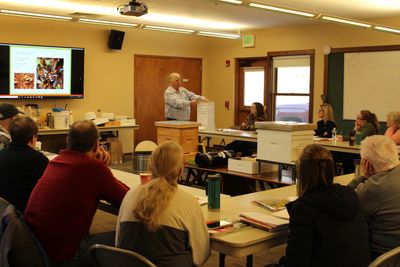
253, 85
291, 88
250, 85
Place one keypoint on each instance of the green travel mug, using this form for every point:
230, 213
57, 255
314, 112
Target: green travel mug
214, 189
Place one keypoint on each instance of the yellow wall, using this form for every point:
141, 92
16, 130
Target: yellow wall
219, 83
109, 74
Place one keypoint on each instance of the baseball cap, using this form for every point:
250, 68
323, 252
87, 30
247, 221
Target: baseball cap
8, 111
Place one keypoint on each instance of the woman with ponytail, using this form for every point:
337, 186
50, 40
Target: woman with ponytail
159, 220
366, 123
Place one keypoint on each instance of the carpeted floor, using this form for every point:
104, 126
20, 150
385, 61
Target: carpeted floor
105, 222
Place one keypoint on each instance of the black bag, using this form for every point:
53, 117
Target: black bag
216, 158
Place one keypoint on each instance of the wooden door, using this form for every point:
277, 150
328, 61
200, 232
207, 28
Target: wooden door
151, 79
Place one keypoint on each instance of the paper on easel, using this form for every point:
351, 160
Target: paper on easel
205, 115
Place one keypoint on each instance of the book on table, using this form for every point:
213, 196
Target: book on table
273, 204
283, 214
264, 221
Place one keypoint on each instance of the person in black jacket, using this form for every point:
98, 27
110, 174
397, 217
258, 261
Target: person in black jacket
21, 164
243, 147
327, 225
327, 121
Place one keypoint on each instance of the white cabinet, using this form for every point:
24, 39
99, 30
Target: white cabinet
282, 142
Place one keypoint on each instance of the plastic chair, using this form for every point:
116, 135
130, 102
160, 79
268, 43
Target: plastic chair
106, 256
389, 259
19, 246
3, 205
146, 146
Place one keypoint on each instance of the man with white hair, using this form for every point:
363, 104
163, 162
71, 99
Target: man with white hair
178, 99
379, 192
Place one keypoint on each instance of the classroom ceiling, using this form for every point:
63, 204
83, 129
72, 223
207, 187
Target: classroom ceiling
211, 14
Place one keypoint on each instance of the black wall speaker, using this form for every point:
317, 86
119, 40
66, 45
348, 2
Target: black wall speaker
115, 39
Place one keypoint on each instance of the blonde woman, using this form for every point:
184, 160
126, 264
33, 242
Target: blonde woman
161, 221
326, 123
393, 124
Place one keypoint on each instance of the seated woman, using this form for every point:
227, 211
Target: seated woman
256, 114
393, 124
247, 148
161, 221
327, 225
366, 123
326, 123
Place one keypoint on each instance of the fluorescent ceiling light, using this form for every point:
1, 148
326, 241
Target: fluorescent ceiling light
102, 9
168, 29
219, 34
65, 6
386, 29
345, 21
190, 22
284, 10
107, 22
33, 15
232, 1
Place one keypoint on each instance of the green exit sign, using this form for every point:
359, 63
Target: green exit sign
248, 40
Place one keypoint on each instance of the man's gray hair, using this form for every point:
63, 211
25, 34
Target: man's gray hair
173, 76
380, 151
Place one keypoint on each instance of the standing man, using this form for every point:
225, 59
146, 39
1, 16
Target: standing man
7, 113
178, 99
63, 203
21, 164
379, 191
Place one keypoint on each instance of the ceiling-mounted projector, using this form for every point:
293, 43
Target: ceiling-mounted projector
133, 9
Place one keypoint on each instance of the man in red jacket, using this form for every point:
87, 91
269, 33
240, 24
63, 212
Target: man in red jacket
63, 203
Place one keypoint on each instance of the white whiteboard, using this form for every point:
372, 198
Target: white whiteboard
372, 82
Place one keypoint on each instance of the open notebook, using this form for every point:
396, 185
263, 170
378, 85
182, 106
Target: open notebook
273, 204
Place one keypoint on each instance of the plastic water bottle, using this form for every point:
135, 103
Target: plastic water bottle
334, 135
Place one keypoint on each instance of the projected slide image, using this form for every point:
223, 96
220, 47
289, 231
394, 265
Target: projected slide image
24, 80
49, 73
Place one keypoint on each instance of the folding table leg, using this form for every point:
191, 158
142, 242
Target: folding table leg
221, 260
249, 261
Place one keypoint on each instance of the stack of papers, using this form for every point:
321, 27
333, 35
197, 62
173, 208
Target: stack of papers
264, 221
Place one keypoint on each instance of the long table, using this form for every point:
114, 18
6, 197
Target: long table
51, 131
252, 240
200, 174
240, 135
133, 180
247, 241
342, 146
